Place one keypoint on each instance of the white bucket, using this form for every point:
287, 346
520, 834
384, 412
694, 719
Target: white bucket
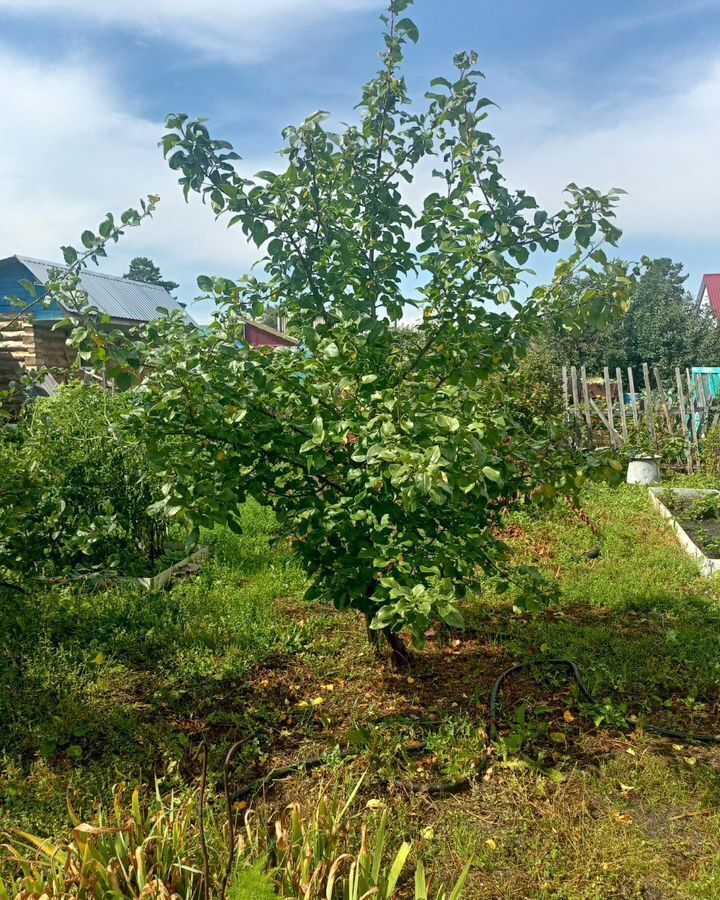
643, 470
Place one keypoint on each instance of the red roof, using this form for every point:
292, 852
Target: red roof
259, 335
712, 284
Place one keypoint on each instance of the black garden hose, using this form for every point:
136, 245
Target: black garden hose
443, 788
574, 672
438, 788
13, 587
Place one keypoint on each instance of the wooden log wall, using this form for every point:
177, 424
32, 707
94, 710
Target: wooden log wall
27, 345
17, 350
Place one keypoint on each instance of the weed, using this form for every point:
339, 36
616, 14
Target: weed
156, 846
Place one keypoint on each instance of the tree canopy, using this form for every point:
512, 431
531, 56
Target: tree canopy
143, 269
390, 456
661, 327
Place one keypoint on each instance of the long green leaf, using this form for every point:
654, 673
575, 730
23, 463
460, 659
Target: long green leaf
457, 890
420, 885
397, 868
379, 848
352, 796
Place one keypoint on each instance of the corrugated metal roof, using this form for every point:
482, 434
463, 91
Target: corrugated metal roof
120, 298
711, 284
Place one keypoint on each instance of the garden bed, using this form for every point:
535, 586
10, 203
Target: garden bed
694, 515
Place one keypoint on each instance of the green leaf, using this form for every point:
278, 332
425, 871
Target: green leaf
556, 776
28, 286
318, 429
192, 539
124, 381
420, 884
177, 160
449, 423
456, 892
260, 232
409, 28
397, 867
492, 474
453, 617
106, 227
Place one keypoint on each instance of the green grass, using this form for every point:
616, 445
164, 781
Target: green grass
98, 687
123, 685
639, 620
581, 814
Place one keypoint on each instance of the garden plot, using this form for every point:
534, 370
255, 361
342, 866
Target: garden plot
694, 515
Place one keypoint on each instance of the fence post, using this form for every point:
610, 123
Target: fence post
576, 406
649, 411
621, 398
707, 402
586, 405
683, 419
633, 396
608, 400
701, 404
663, 399
693, 422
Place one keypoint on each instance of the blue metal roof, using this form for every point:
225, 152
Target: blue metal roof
120, 298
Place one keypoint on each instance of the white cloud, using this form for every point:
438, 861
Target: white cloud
70, 153
236, 30
664, 151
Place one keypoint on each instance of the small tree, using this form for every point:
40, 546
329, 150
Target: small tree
390, 455
143, 269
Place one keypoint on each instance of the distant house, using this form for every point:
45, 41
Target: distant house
709, 294
259, 335
31, 342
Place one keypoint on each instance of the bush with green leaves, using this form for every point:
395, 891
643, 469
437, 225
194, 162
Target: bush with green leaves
390, 455
535, 389
76, 488
710, 452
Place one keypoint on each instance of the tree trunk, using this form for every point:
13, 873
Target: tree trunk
399, 652
373, 636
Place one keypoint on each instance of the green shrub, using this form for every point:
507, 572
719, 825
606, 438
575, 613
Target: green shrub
710, 458
76, 488
534, 389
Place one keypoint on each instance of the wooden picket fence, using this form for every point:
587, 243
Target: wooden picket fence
611, 411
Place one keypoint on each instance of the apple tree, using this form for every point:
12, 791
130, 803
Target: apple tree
390, 454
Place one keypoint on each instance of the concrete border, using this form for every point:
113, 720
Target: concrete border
708, 566
156, 582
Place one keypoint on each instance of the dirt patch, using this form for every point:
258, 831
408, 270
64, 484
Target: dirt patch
700, 521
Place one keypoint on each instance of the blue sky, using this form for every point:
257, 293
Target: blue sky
611, 94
